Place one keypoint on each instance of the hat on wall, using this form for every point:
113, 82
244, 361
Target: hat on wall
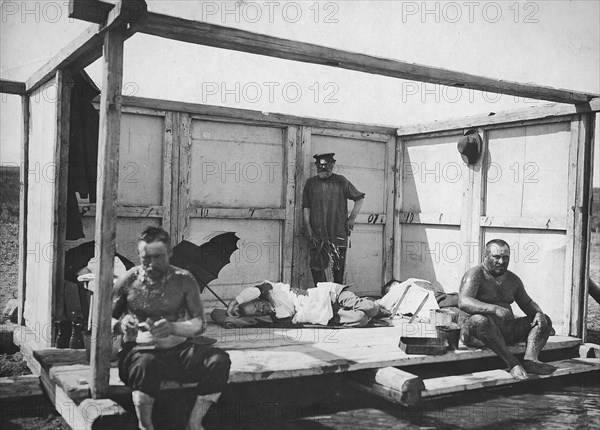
324, 158
470, 146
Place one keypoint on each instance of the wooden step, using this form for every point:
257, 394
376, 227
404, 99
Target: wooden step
495, 378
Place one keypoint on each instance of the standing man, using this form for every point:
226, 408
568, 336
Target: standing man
326, 220
486, 292
160, 310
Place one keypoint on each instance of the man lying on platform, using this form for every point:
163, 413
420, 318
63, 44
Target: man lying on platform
486, 293
328, 303
160, 310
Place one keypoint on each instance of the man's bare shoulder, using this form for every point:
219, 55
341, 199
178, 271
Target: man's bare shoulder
474, 273
512, 278
184, 276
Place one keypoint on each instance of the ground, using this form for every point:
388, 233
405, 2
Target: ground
40, 415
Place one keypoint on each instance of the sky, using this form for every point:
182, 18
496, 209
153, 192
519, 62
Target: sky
551, 43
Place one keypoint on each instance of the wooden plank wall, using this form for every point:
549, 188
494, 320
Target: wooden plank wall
41, 197
524, 190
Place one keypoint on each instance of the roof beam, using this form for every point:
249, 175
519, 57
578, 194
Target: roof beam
89, 10
550, 110
87, 47
12, 87
203, 33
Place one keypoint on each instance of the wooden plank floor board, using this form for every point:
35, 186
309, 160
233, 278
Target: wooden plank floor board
495, 378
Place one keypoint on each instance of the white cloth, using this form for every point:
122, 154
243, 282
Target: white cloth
412, 299
316, 308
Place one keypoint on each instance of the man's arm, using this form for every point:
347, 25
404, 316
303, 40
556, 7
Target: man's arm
469, 286
352, 218
528, 306
307, 227
195, 326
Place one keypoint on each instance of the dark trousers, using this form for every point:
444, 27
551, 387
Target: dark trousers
338, 275
145, 370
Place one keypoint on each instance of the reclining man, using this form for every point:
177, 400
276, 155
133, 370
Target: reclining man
328, 303
160, 307
486, 293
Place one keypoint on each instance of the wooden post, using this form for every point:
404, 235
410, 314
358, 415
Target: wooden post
581, 226
184, 134
64, 86
399, 185
167, 170
301, 277
23, 195
108, 161
390, 193
289, 203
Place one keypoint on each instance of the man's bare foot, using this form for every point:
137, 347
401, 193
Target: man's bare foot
518, 372
538, 367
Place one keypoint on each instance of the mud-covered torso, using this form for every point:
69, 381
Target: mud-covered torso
156, 300
501, 291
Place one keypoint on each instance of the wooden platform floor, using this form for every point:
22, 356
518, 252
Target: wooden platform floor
273, 353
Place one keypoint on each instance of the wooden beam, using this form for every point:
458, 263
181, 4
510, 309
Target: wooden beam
108, 161
185, 163
390, 194
289, 203
89, 10
64, 85
300, 273
398, 197
12, 87
550, 110
222, 113
167, 173
236, 213
23, 196
173, 119
392, 384
90, 210
83, 50
203, 33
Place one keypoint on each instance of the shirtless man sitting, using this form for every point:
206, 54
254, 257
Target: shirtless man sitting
157, 308
486, 292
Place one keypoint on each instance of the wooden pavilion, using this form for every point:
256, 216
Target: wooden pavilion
412, 224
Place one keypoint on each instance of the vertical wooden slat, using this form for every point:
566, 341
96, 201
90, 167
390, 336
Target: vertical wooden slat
570, 235
167, 168
24, 190
390, 190
300, 271
108, 162
175, 178
587, 210
399, 185
289, 198
470, 219
61, 161
581, 225
185, 161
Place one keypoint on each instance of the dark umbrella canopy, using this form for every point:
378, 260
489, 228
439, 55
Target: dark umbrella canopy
205, 261
77, 258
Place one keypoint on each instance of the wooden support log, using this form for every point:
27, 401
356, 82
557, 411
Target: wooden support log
16, 387
108, 160
391, 383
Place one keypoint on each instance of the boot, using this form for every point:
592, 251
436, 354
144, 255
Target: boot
143, 409
203, 403
63, 333
76, 341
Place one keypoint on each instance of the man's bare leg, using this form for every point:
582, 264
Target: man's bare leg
486, 330
143, 409
536, 339
203, 403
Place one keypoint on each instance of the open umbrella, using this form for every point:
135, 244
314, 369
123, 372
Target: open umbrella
206, 261
78, 257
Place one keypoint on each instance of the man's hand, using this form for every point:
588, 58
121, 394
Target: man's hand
233, 310
349, 226
541, 320
161, 328
129, 328
503, 314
